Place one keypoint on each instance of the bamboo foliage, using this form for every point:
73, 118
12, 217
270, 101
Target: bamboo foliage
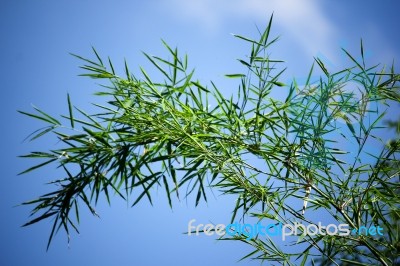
185, 136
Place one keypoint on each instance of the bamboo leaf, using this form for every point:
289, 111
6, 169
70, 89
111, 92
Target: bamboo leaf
235, 75
38, 166
71, 118
44, 216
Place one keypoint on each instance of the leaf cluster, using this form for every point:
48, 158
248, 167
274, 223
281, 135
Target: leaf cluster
185, 136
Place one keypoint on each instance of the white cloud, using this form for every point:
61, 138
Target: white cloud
303, 22
205, 13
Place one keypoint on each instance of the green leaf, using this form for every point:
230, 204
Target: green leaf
42, 131
37, 166
103, 75
322, 66
45, 118
245, 63
146, 192
352, 262
44, 216
198, 85
167, 191
98, 57
279, 84
158, 66
71, 118
235, 75
305, 256
86, 60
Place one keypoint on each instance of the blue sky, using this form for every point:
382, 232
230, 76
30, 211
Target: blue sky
37, 37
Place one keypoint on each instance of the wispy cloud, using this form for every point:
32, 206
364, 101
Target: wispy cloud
207, 14
304, 23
